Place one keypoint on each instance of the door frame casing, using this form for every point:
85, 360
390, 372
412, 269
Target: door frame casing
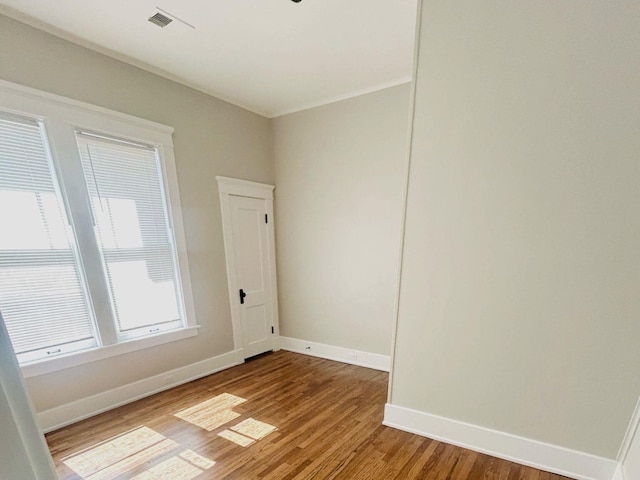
232, 186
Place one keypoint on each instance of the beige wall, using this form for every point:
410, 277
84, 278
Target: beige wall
211, 138
519, 305
340, 173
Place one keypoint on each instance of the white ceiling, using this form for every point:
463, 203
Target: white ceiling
269, 56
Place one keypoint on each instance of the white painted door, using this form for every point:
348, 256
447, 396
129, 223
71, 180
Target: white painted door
251, 251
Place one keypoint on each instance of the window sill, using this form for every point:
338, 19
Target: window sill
86, 356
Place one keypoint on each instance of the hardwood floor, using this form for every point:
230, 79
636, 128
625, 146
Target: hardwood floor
282, 416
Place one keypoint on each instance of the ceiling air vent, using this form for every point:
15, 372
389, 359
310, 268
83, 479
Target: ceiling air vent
160, 20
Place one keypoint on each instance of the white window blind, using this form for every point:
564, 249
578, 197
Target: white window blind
42, 295
127, 197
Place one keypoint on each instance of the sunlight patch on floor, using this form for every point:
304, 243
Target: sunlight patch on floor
136, 451
212, 413
247, 432
185, 466
236, 438
131, 447
253, 428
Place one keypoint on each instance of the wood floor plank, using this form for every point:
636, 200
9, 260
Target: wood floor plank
283, 416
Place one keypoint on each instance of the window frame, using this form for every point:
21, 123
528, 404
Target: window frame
140, 332
79, 345
61, 118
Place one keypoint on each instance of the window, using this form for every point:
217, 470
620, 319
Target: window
92, 251
127, 201
42, 297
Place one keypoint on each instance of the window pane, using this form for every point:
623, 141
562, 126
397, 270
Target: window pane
42, 297
127, 200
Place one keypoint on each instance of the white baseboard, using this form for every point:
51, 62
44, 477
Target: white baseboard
339, 354
543, 456
77, 410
